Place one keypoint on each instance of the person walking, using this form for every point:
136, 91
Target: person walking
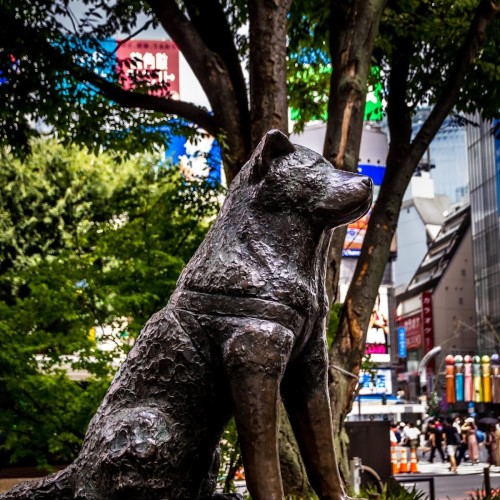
462, 446
392, 436
436, 440
469, 429
397, 433
452, 439
411, 435
497, 438
492, 445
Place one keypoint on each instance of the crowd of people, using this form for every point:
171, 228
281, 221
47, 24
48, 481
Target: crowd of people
454, 440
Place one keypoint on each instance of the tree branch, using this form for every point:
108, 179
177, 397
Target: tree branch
214, 76
208, 66
128, 99
210, 21
112, 91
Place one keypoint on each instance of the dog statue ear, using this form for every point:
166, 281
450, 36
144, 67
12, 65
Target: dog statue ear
273, 145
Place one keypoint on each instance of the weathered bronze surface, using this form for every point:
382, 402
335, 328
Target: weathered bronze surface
245, 322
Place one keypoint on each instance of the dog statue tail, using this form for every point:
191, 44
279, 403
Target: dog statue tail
55, 486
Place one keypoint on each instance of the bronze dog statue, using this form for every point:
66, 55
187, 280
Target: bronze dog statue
245, 323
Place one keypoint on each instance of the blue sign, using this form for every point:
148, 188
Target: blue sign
376, 172
177, 147
98, 56
401, 342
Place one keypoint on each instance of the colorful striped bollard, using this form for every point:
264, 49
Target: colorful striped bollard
450, 378
468, 387
486, 375
495, 378
459, 378
476, 379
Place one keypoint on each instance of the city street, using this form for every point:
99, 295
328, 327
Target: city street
449, 486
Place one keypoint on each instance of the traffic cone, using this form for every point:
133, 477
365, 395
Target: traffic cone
403, 464
394, 461
413, 461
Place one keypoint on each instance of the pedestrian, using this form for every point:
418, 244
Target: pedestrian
401, 427
462, 446
469, 429
492, 445
497, 437
392, 436
452, 440
411, 435
436, 440
397, 432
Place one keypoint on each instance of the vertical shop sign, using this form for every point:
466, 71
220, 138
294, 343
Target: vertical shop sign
402, 342
413, 327
428, 321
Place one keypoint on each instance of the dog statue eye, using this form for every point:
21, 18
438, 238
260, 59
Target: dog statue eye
317, 163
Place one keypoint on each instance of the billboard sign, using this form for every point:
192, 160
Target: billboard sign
355, 235
378, 338
375, 382
154, 63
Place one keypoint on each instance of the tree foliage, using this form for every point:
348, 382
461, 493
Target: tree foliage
87, 241
433, 34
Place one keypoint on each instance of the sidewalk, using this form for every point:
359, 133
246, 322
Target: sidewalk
442, 469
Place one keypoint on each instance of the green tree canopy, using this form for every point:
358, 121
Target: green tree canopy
428, 36
87, 241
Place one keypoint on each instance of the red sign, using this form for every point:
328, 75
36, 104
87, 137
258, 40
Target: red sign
154, 63
414, 333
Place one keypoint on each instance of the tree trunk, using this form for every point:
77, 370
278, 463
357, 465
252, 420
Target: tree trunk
269, 109
352, 36
216, 67
293, 471
268, 88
